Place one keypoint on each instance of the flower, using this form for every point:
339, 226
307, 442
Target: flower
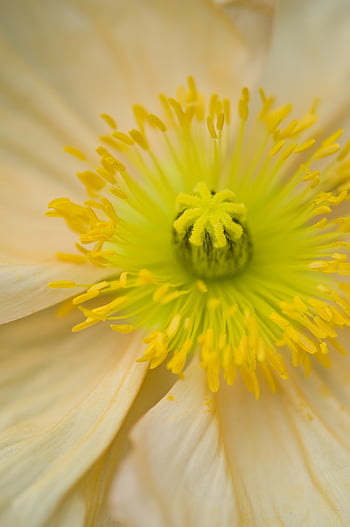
197, 458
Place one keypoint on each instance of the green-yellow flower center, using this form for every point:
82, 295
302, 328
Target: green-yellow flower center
210, 236
219, 234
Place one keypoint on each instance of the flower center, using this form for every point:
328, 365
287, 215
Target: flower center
163, 236
210, 236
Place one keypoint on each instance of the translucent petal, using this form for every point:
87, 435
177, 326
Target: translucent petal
200, 461
64, 397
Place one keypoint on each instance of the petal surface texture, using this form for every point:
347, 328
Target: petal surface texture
253, 20
66, 62
200, 461
24, 285
64, 397
309, 56
87, 501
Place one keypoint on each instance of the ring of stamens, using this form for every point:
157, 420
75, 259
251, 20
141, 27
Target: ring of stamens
292, 296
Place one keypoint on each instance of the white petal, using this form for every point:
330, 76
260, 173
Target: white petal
64, 397
309, 56
200, 461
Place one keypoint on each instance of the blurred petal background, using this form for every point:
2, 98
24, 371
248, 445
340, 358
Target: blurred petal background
67, 399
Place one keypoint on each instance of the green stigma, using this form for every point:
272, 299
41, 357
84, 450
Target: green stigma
210, 236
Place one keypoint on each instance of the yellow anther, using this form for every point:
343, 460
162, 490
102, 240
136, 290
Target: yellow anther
111, 163
170, 297
274, 118
220, 121
324, 209
340, 257
124, 138
91, 180
108, 140
336, 200
277, 147
99, 286
156, 122
338, 346
192, 89
288, 151
280, 321
299, 304
83, 325
116, 191
314, 182
332, 138
344, 152
327, 150
311, 175
139, 138
73, 258
276, 362
243, 105
321, 223
306, 122
160, 292
177, 362
109, 120
106, 174
173, 326
62, 283
122, 328
227, 110
109, 209
140, 113
287, 132
180, 114
211, 127
75, 152
213, 375
305, 146
302, 340
85, 297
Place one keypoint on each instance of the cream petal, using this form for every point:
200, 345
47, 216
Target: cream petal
82, 506
64, 397
204, 461
253, 19
309, 56
89, 497
24, 285
101, 56
71, 512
